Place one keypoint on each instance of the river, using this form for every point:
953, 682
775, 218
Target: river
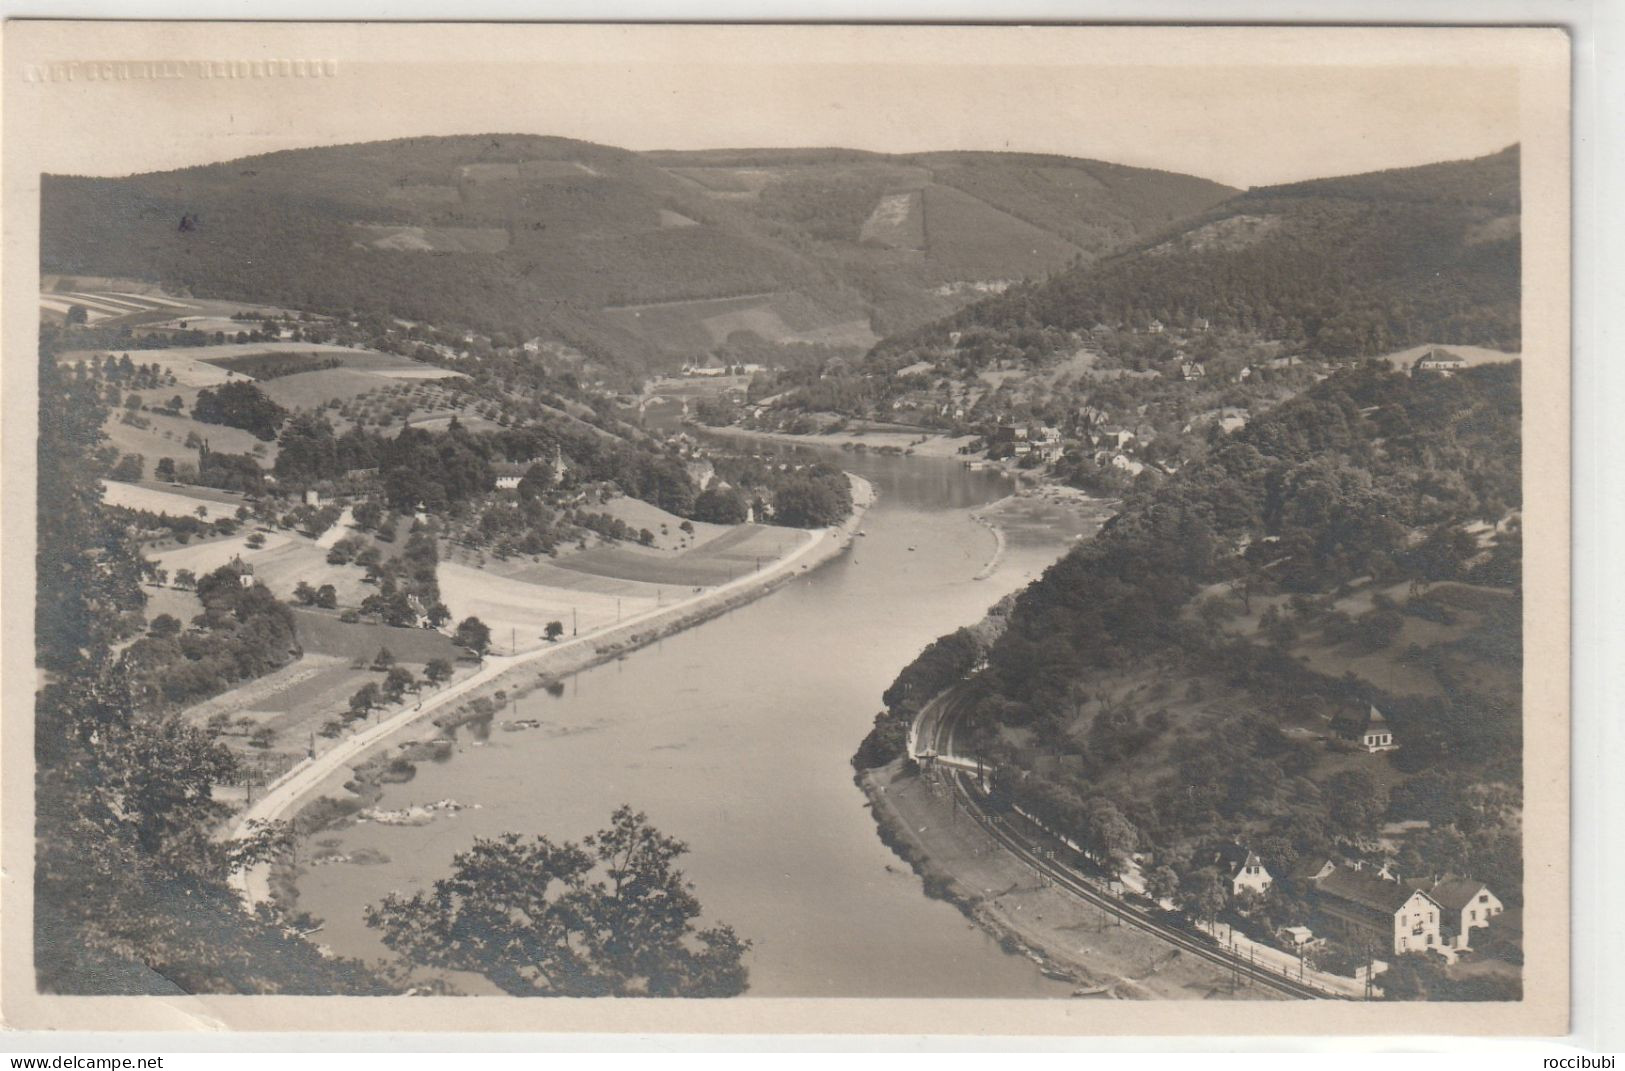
736, 737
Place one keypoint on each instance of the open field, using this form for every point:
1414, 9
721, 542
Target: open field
196, 367
104, 301
897, 222
280, 564
717, 561
181, 605
548, 575
517, 612
639, 515
307, 390
295, 703
175, 502
967, 238
321, 632
934, 445
411, 239
702, 324
165, 436
1473, 355
276, 692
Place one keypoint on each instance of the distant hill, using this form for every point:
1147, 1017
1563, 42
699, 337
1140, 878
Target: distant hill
1350, 266
640, 259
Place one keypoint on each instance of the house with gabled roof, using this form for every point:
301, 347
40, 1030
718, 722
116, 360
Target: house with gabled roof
1391, 915
1367, 728
1466, 905
1244, 870
1440, 360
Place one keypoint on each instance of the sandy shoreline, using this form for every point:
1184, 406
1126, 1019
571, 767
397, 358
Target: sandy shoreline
958, 862
519, 674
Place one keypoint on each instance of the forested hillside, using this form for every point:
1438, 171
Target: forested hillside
1344, 267
130, 883
1184, 671
636, 259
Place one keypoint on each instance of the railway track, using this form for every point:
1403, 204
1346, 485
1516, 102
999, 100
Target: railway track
1035, 855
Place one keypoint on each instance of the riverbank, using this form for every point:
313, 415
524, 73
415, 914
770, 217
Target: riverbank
958, 862
900, 442
518, 674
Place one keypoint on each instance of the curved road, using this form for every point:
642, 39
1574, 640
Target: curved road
283, 794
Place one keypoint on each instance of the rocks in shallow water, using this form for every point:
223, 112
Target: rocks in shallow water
419, 814
520, 725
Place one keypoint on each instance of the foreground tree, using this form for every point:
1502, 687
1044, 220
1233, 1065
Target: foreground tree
608, 917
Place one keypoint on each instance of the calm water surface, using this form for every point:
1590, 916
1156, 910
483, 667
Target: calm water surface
736, 737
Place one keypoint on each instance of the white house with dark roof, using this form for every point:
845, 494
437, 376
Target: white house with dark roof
1370, 730
1392, 916
1247, 872
1466, 905
1440, 360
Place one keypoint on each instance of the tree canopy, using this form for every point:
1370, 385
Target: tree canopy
610, 916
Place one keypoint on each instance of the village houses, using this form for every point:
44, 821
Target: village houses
1245, 870
1465, 905
1387, 916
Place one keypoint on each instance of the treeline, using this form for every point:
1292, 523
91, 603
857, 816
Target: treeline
442, 470
130, 883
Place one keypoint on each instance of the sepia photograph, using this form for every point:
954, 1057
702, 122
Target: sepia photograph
782, 528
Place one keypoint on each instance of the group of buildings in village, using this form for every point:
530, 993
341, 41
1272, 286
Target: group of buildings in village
1372, 907
1107, 444
509, 473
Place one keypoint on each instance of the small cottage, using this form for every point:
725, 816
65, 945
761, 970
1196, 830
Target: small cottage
1368, 729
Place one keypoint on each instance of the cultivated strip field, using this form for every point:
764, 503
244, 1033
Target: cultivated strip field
322, 632
518, 612
717, 561
170, 503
